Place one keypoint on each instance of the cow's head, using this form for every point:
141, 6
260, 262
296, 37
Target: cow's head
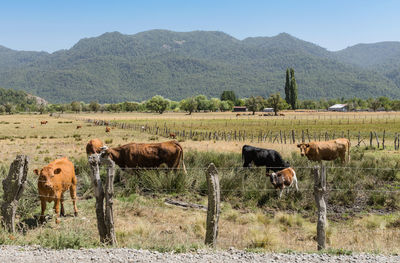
46, 176
304, 148
276, 179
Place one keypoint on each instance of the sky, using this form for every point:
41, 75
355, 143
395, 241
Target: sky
42, 25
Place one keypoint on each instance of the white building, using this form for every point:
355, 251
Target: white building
268, 110
338, 107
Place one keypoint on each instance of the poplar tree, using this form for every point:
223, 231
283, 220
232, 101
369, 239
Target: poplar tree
287, 87
293, 90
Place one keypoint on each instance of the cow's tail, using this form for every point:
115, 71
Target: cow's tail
348, 152
181, 158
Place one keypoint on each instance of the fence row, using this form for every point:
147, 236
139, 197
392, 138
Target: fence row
272, 136
15, 182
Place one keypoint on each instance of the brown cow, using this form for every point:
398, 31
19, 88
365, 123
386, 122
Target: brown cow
94, 146
172, 135
54, 179
327, 151
284, 178
108, 129
147, 155
79, 126
43, 122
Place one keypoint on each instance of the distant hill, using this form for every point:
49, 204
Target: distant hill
383, 57
115, 67
18, 97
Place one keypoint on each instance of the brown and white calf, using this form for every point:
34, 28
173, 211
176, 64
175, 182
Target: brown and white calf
283, 179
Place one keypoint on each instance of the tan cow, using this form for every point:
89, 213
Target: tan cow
43, 122
54, 179
327, 150
285, 178
94, 146
147, 155
108, 129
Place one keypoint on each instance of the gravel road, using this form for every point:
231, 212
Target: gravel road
42, 255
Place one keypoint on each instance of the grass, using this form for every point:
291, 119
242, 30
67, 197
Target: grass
252, 217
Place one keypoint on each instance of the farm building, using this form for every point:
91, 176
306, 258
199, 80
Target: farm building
239, 108
338, 107
268, 110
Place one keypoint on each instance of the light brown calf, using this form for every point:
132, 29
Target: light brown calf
43, 122
108, 129
54, 179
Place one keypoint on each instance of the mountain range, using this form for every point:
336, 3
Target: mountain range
115, 67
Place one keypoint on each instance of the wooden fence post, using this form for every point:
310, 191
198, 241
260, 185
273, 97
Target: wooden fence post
213, 209
319, 194
104, 219
13, 187
109, 194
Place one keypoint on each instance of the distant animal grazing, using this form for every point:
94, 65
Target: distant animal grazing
172, 135
237, 114
147, 155
33, 126
54, 179
281, 114
79, 126
94, 146
271, 159
108, 129
285, 178
43, 122
327, 151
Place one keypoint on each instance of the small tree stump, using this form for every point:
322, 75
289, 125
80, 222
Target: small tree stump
13, 187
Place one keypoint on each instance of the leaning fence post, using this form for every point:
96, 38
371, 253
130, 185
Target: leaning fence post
213, 209
319, 194
13, 187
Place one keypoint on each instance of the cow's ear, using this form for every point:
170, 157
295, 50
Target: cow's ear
36, 171
57, 171
298, 145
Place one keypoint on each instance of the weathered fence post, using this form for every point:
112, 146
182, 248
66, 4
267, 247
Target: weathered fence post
319, 194
109, 194
213, 209
13, 187
104, 220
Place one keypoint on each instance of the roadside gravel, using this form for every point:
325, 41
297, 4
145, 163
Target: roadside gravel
38, 254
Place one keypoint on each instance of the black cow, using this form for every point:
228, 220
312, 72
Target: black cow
260, 157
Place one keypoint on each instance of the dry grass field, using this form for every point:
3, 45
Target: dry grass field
145, 221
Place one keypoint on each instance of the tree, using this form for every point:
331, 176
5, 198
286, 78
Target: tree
189, 105
9, 108
228, 95
255, 103
226, 105
375, 104
277, 103
293, 90
130, 106
94, 106
157, 104
287, 87
75, 106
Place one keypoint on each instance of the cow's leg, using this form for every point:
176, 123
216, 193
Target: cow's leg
62, 212
280, 193
57, 207
43, 204
295, 183
72, 192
